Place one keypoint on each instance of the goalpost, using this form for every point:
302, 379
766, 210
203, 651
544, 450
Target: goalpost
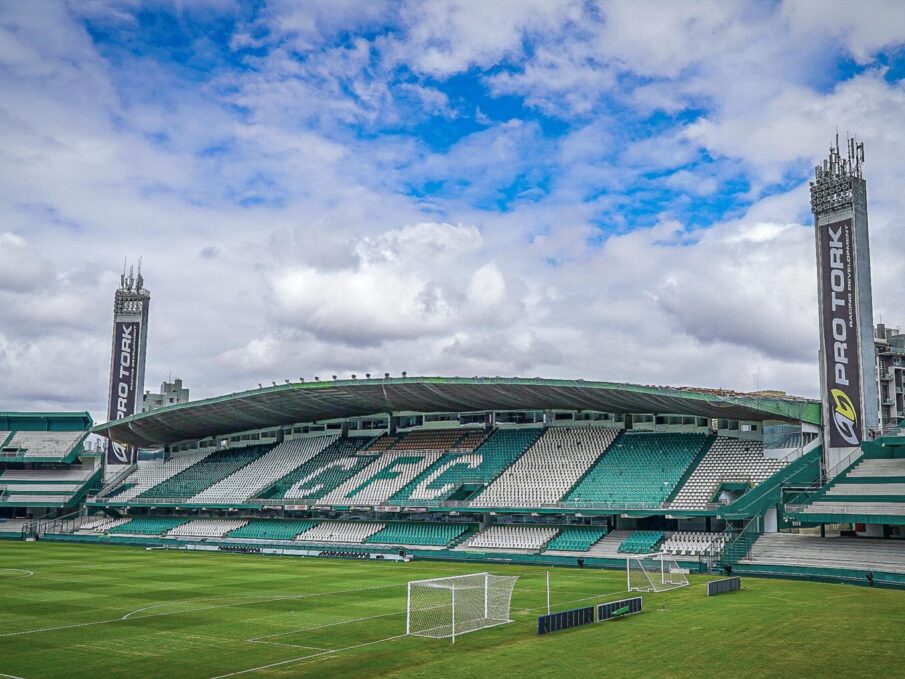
653, 573
447, 607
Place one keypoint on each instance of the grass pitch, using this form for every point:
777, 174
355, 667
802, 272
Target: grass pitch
100, 611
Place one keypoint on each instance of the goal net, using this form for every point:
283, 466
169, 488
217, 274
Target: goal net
654, 573
447, 607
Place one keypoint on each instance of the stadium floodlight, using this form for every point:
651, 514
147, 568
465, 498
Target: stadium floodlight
354, 377
274, 383
317, 379
404, 374
386, 376
653, 573
287, 381
260, 386
301, 379
368, 375
334, 377
443, 608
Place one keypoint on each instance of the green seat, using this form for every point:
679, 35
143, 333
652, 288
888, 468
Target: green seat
428, 534
271, 529
576, 539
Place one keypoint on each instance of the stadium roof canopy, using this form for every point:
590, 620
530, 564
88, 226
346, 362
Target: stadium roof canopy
316, 401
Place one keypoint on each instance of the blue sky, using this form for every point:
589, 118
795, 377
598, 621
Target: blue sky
612, 190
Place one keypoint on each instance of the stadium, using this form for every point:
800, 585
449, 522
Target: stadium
416, 525
393, 525
286, 529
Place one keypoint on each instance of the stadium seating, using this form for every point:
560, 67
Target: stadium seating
13, 526
861, 554
147, 475
208, 471
638, 469
248, 481
45, 444
384, 477
548, 469
870, 491
271, 529
843, 490
72, 474
576, 539
479, 468
336, 531
878, 468
442, 439
511, 537
206, 528
46, 499
727, 461
430, 534
691, 543
324, 472
101, 524
148, 526
641, 542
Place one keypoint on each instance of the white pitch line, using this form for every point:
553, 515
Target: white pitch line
9, 676
329, 624
28, 574
280, 643
249, 601
306, 657
189, 610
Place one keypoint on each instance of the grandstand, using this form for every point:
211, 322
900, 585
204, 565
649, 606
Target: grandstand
551, 466
639, 469
44, 470
726, 461
535, 470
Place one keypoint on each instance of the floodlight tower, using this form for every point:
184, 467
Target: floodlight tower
127, 359
848, 373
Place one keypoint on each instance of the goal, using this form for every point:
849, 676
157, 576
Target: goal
447, 607
653, 573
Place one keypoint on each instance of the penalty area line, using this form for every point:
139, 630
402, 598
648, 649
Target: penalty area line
280, 643
307, 657
329, 624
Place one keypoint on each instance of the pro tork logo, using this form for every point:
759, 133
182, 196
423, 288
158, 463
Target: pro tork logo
844, 416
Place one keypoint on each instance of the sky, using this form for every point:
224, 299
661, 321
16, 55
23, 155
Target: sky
533, 188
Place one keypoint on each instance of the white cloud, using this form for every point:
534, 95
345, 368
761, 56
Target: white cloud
293, 221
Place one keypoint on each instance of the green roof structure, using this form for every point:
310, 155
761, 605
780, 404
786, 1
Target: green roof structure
329, 400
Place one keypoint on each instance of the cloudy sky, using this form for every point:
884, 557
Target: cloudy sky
605, 190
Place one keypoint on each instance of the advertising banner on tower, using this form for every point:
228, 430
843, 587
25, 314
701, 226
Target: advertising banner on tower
123, 383
841, 358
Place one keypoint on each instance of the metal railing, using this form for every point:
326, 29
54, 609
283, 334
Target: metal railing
115, 481
843, 464
62, 524
738, 547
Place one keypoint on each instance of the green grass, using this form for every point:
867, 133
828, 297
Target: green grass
127, 612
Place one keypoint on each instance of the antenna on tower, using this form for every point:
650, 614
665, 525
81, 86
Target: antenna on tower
139, 283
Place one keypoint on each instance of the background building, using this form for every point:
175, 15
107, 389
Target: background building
170, 393
890, 345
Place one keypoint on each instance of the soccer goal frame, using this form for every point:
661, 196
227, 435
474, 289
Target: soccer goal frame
444, 608
653, 573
